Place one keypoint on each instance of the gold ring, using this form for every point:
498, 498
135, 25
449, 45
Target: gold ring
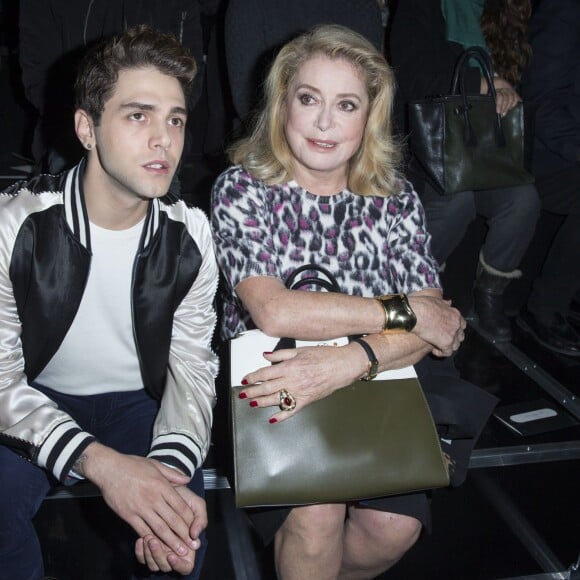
287, 401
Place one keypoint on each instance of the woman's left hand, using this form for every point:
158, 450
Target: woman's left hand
306, 373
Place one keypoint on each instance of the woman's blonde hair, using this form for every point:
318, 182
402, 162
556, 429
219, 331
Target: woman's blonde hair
265, 152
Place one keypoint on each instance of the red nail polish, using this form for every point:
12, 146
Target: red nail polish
273, 420
267, 352
253, 403
244, 382
242, 395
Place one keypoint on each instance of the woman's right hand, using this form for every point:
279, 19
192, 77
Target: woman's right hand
438, 323
307, 373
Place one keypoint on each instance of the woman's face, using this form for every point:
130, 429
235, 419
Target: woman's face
327, 109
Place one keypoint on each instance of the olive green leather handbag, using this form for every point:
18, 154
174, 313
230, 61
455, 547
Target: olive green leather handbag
371, 439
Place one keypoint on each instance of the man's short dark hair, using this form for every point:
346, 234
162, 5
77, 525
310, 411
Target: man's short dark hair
137, 47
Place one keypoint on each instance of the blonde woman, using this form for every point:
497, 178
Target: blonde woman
316, 182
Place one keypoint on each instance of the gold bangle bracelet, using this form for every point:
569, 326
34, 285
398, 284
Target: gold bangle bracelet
399, 316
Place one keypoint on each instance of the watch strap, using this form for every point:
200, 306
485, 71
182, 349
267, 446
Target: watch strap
373, 368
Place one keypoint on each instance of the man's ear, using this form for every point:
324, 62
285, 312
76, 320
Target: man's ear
84, 128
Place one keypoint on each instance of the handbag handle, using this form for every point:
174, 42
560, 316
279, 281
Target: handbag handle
458, 88
291, 283
329, 284
483, 59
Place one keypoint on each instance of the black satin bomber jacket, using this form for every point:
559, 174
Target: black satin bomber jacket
45, 256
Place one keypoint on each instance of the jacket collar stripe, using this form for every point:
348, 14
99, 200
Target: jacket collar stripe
76, 212
151, 223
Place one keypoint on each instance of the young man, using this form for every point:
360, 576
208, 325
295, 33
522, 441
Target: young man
106, 318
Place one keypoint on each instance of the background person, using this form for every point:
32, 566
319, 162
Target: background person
552, 81
426, 39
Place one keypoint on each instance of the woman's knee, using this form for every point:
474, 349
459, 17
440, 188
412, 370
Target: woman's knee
315, 525
389, 534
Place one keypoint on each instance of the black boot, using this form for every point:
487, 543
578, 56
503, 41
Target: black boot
488, 291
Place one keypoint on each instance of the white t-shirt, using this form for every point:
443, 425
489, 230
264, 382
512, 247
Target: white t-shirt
98, 354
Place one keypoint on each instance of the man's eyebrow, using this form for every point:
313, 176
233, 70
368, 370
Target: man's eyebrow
146, 107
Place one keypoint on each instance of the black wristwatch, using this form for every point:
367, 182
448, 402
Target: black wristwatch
373, 369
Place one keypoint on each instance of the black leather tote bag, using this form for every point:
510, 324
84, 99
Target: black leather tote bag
462, 144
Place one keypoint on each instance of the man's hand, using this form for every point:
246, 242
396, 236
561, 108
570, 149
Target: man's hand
158, 557
438, 323
142, 492
152, 552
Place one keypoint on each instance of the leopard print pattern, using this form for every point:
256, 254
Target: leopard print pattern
373, 245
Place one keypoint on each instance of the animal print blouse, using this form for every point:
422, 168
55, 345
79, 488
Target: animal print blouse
373, 245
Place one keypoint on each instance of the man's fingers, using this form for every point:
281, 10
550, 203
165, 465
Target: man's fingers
140, 526
171, 474
197, 527
182, 565
200, 521
158, 557
169, 524
171, 529
150, 546
140, 551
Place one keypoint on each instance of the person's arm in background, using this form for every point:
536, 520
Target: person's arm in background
552, 79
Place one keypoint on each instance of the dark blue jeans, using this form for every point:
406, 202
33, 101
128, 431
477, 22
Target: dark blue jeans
122, 421
511, 214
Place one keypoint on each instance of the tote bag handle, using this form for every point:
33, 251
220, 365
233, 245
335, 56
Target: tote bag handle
458, 88
330, 284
